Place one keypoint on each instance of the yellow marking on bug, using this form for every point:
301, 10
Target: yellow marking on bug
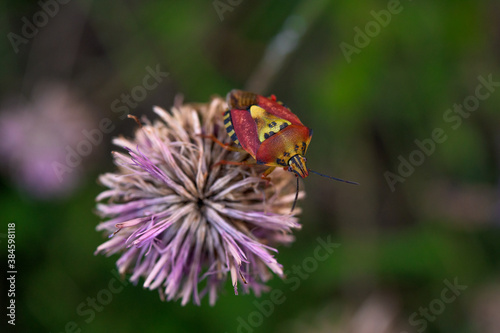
227, 118
267, 124
229, 127
233, 137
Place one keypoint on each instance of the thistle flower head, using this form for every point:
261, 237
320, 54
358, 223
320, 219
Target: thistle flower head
183, 222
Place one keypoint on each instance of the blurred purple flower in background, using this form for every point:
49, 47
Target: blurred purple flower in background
34, 135
181, 221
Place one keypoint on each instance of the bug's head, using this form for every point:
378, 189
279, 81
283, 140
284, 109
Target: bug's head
297, 165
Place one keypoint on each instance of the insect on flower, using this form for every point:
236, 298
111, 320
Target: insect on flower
267, 130
182, 222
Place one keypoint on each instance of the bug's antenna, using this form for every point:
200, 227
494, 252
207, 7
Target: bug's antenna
338, 179
296, 194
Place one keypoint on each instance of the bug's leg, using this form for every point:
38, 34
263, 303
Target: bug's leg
234, 163
223, 145
265, 177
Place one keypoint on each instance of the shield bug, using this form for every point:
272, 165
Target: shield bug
267, 130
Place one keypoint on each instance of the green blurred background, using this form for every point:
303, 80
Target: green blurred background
367, 107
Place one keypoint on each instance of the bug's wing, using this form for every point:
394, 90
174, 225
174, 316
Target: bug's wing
278, 110
246, 131
279, 148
